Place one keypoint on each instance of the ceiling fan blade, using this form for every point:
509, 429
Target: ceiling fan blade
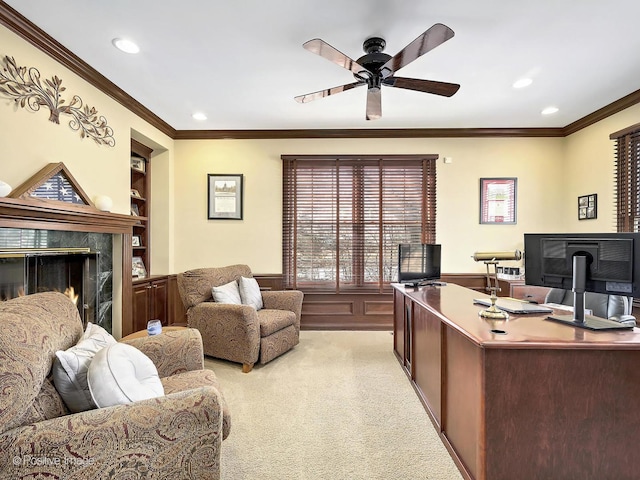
374, 104
435, 36
325, 93
322, 48
428, 86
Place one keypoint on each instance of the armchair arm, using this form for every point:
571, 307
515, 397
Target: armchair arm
172, 351
108, 442
284, 300
228, 331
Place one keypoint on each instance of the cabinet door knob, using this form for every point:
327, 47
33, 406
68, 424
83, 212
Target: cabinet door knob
155, 286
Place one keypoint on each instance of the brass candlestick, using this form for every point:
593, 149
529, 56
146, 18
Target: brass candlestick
493, 311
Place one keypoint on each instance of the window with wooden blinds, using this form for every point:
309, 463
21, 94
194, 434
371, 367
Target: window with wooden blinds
343, 218
627, 188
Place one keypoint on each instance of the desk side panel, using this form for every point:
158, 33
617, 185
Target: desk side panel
562, 413
463, 400
398, 324
427, 360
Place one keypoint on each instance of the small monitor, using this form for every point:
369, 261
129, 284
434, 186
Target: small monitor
418, 263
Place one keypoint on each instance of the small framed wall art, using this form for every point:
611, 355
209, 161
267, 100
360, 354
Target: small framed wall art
588, 206
225, 196
498, 201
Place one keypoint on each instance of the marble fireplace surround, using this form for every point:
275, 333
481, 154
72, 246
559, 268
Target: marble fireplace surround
38, 214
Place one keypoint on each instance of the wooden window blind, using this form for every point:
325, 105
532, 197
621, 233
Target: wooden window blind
627, 171
343, 218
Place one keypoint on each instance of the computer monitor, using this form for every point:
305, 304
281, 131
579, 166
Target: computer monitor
584, 262
418, 263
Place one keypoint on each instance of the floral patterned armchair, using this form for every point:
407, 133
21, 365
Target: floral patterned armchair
177, 435
236, 332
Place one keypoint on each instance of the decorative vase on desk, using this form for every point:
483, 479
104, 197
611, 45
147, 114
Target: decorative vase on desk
5, 189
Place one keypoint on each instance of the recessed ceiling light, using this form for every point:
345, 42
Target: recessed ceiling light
199, 116
125, 45
523, 82
549, 110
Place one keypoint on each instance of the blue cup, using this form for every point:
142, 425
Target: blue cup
154, 327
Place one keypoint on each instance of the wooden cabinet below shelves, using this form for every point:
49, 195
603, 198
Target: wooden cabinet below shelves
150, 301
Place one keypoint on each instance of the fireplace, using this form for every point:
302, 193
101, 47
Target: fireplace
76, 263
72, 271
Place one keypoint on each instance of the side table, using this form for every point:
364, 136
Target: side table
143, 333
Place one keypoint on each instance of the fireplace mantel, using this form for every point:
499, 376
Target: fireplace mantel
33, 213
48, 215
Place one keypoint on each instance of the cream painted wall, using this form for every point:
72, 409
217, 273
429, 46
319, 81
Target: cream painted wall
256, 240
589, 157
551, 173
30, 141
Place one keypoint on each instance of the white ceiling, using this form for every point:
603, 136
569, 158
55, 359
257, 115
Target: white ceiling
241, 61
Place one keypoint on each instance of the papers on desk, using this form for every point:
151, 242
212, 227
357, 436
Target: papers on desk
566, 308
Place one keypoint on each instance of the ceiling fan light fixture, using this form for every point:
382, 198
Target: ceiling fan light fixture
549, 110
522, 83
376, 68
125, 45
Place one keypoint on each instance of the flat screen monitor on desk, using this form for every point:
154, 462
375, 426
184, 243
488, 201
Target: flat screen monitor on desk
584, 262
418, 263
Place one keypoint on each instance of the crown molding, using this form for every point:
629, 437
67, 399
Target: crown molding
604, 112
368, 133
37, 37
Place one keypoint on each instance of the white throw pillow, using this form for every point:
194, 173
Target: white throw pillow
70, 368
120, 374
227, 293
250, 292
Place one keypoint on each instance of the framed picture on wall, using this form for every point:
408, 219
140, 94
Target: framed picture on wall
588, 206
224, 196
498, 201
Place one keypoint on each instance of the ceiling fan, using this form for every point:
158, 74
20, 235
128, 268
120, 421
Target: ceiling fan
376, 69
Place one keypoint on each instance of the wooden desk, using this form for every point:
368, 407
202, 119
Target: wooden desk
542, 400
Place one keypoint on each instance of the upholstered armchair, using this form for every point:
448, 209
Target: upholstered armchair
175, 435
239, 332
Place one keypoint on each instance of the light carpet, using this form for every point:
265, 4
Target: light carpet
337, 406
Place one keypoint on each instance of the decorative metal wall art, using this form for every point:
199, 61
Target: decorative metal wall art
28, 90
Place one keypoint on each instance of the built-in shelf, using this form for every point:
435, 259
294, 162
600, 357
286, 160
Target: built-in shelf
140, 203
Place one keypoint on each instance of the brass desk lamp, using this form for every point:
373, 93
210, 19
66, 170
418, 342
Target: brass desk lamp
489, 259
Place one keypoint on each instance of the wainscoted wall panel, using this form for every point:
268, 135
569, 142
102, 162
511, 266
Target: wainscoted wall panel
357, 311
327, 308
378, 308
347, 311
